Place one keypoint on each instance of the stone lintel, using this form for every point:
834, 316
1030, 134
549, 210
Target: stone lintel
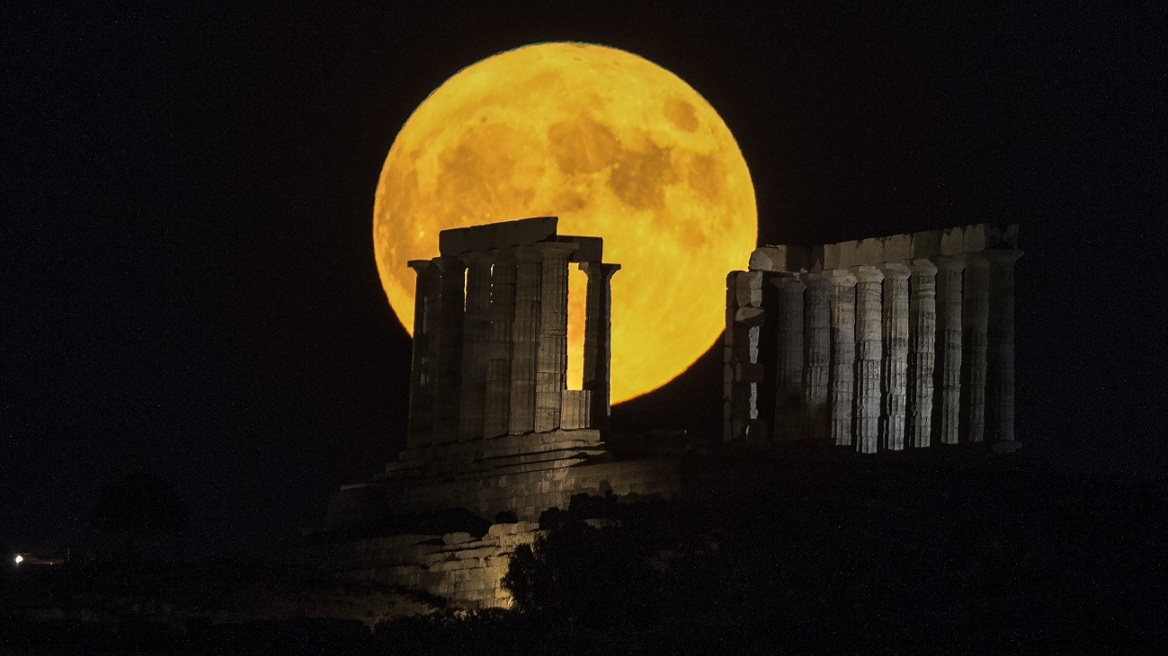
497, 235
867, 273
898, 248
894, 269
588, 249
923, 266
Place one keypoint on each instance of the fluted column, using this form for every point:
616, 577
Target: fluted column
1000, 358
525, 340
817, 353
497, 393
843, 354
448, 385
789, 420
974, 328
598, 339
869, 352
947, 386
894, 365
551, 377
476, 345
922, 311
422, 369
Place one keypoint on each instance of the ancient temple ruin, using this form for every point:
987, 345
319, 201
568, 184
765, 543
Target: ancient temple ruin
876, 345
490, 351
493, 426
892, 344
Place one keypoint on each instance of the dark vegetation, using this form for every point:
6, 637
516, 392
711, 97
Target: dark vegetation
987, 558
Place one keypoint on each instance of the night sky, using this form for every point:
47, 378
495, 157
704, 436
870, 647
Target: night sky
187, 283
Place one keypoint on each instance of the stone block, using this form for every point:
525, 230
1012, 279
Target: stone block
749, 316
926, 244
869, 251
536, 229
453, 241
778, 258
897, 248
815, 259
953, 241
588, 249
749, 288
975, 238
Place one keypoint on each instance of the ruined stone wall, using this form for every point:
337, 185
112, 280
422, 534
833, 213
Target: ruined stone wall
875, 345
464, 570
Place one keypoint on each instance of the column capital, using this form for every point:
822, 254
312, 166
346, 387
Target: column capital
813, 279
1002, 256
446, 263
950, 263
976, 260
557, 249
477, 259
503, 255
868, 273
922, 266
842, 277
528, 254
420, 266
605, 269
788, 281
898, 270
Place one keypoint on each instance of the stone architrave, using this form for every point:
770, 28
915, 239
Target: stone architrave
894, 367
447, 390
947, 387
974, 335
497, 393
789, 401
817, 353
922, 311
598, 340
869, 353
843, 354
475, 346
1000, 357
422, 369
525, 339
552, 354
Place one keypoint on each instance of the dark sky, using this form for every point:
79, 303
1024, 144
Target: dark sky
187, 282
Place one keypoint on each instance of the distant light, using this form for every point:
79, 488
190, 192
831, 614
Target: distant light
19, 559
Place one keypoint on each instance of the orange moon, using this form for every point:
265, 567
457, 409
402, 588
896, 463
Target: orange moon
613, 145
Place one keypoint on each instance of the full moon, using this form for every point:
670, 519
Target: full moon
616, 147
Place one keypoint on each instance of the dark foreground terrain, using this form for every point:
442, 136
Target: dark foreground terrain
988, 556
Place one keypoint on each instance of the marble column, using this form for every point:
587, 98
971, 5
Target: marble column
497, 394
869, 352
1000, 357
422, 368
843, 354
450, 317
551, 372
974, 328
525, 339
894, 366
947, 384
789, 420
476, 345
817, 353
922, 316
598, 339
